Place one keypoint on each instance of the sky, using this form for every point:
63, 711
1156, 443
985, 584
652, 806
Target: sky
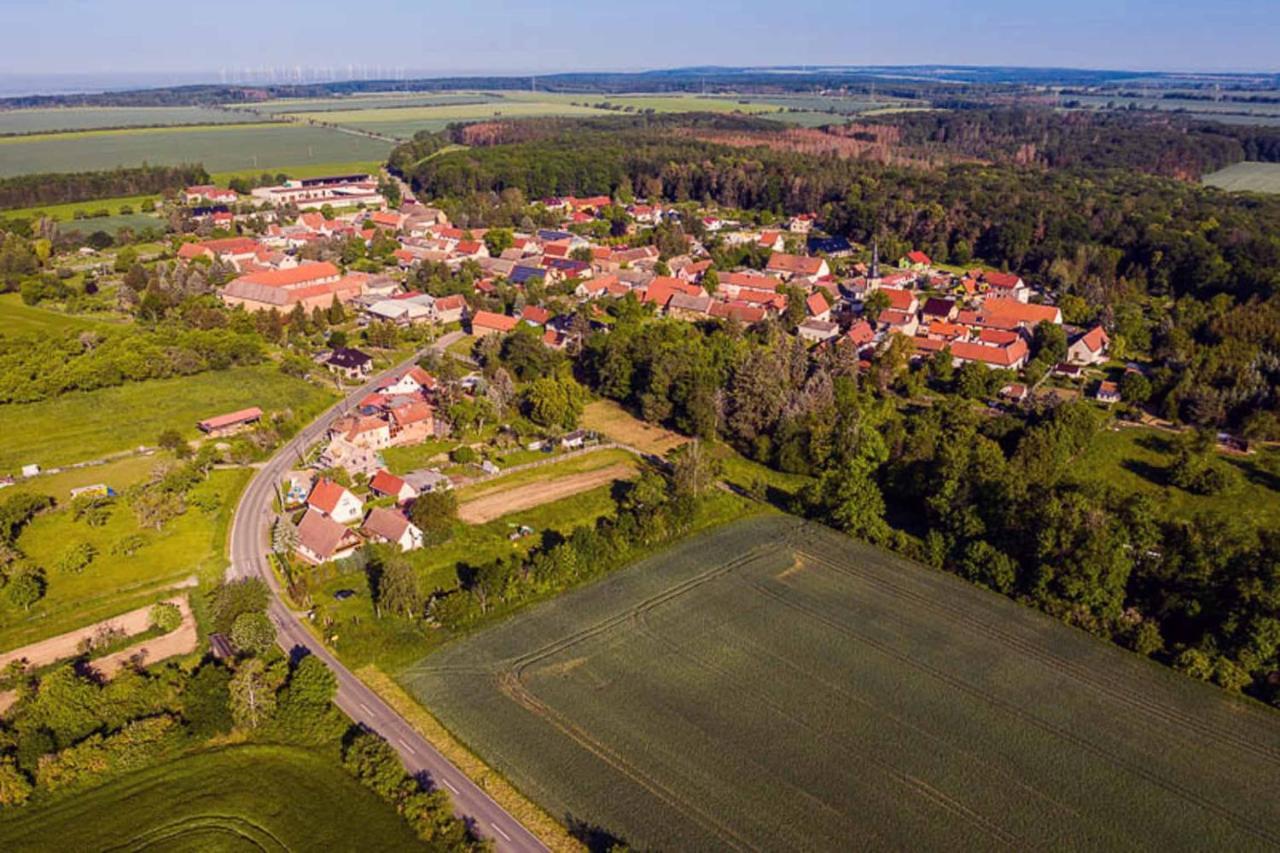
123, 37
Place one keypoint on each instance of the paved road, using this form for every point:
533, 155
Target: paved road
250, 533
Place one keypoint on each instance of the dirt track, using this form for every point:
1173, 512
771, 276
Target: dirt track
494, 506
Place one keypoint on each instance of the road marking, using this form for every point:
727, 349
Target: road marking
365, 708
498, 830
407, 747
449, 785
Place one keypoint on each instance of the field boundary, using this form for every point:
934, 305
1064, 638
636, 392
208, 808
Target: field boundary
548, 830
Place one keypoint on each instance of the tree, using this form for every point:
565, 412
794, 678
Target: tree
874, 303
252, 692
435, 514
1049, 342
15, 787
984, 564
253, 633
555, 401
173, 441
848, 498
498, 240
693, 469
306, 713
395, 587
372, 760
1135, 388
230, 599
206, 701
26, 587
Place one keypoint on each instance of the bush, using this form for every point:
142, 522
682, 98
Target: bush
253, 633
165, 616
464, 455
76, 558
129, 545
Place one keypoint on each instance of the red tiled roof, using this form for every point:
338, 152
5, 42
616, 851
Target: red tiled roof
918, 258
796, 264
663, 287
300, 274
231, 419
386, 523
535, 314
489, 320
325, 495
817, 304
861, 333
386, 483
323, 536
899, 300
1005, 356
1095, 339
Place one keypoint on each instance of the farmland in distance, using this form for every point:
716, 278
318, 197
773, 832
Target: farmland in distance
91, 118
773, 684
1247, 177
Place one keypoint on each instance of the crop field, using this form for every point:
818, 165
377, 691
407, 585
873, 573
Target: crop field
84, 425
499, 504
67, 211
404, 122
240, 798
113, 225
91, 118
1233, 112
775, 685
371, 102
114, 582
1246, 177
259, 147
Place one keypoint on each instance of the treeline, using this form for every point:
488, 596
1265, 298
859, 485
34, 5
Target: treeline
995, 499
1159, 145
1144, 234
65, 187
40, 367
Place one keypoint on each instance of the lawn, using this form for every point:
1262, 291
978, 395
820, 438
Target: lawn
402, 460
91, 118
219, 148
1246, 177
17, 318
617, 424
776, 685
114, 224
86, 425
65, 212
113, 583
1135, 460
240, 798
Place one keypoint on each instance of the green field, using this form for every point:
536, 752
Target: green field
17, 318
191, 544
68, 211
1247, 177
242, 798
219, 149
403, 122
1135, 460
370, 102
86, 425
90, 118
114, 224
775, 685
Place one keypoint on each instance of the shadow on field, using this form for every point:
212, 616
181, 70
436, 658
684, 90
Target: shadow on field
1153, 474
595, 838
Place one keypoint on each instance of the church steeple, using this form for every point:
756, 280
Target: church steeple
873, 272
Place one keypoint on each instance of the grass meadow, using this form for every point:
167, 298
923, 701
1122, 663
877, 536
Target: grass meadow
1136, 460
112, 583
1246, 177
85, 425
220, 148
66, 212
18, 318
775, 685
239, 798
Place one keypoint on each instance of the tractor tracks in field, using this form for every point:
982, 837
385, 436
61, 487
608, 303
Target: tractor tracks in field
1241, 822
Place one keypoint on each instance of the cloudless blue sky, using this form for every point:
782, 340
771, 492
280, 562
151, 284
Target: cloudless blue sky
470, 36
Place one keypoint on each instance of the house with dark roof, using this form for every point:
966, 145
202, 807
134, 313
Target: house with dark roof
321, 539
384, 524
836, 247
350, 363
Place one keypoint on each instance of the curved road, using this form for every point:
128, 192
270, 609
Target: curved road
250, 533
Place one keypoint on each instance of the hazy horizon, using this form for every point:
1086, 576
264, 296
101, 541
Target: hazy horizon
144, 40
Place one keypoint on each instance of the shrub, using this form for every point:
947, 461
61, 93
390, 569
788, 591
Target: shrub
129, 545
76, 558
464, 455
165, 616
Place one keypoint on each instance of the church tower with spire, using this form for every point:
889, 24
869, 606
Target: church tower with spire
873, 272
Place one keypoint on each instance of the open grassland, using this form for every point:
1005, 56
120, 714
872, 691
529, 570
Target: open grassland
304, 170
404, 122
17, 318
1137, 460
1247, 177
86, 425
241, 798
578, 463
776, 685
114, 582
93, 118
219, 148
617, 424
63, 212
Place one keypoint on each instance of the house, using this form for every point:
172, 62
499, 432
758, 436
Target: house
209, 194
350, 363
450, 309
412, 423
860, 334
535, 315
917, 261
802, 224
1013, 314
1012, 356
771, 240
574, 440
1068, 371
335, 501
816, 331
485, 323
835, 247
1107, 392
428, 480
403, 312
1089, 348
904, 322
230, 424
788, 267
817, 307
388, 485
413, 380
364, 431
685, 307
662, 288
739, 312
936, 308
384, 524
901, 300
1014, 393
321, 539
1007, 285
